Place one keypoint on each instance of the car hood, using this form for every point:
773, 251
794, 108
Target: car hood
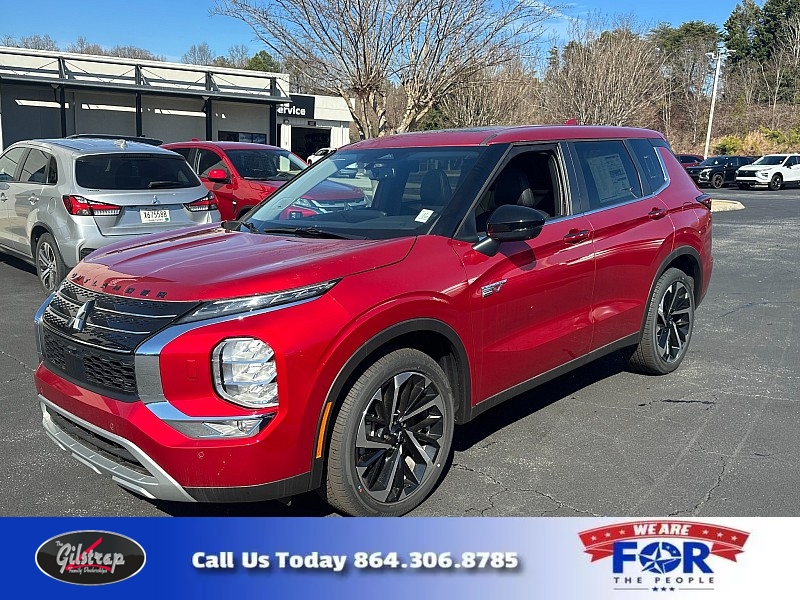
758, 167
210, 263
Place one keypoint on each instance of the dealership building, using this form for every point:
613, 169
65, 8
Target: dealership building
54, 94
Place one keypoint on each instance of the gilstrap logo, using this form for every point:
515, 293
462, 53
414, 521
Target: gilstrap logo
90, 557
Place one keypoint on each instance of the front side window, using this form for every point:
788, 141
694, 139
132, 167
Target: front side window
207, 161
398, 192
608, 172
266, 164
134, 172
9, 162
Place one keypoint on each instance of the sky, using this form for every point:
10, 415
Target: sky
168, 28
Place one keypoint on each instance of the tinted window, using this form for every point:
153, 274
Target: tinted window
133, 172
208, 161
608, 172
9, 162
184, 152
35, 168
266, 164
52, 172
652, 171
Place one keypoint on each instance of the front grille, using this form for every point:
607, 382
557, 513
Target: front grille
90, 337
86, 252
101, 445
105, 372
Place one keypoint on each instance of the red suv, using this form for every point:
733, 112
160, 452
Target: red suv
336, 351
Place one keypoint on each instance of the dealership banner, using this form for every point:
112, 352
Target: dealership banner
463, 558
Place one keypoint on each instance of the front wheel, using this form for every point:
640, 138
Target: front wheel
391, 438
50, 266
776, 182
668, 325
717, 181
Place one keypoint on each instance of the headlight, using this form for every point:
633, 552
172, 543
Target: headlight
222, 308
244, 372
705, 172
763, 173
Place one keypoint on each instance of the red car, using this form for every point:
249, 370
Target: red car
337, 350
690, 160
243, 174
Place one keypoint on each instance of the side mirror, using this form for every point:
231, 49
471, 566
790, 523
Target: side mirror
510, 223
219, 176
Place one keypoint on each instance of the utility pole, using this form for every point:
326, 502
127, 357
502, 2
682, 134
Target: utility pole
719, 55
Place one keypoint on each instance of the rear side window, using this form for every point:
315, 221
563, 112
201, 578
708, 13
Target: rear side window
134, 172
35, 168
650, 166
609, 173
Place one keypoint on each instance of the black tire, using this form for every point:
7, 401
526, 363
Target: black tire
776, 182
376, 478
717, 181
668, 325
50, 266
744, 186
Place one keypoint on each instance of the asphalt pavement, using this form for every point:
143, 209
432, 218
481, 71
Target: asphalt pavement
719, 437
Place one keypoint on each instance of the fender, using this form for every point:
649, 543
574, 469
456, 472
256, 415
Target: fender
697, 274
462, 387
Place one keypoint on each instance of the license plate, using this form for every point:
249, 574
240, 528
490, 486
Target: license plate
155, 216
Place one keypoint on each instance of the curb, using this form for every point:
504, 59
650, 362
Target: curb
724, 205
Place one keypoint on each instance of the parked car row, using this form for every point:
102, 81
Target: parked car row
771, 170
61, 199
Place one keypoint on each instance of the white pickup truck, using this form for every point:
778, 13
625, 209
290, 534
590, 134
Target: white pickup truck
771, 170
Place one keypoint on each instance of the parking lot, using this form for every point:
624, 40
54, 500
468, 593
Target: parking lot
720, 436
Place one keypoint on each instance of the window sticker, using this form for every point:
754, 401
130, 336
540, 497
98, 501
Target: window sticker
609, 177
424, 215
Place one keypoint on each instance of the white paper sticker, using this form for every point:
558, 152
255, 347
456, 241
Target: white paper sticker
424, 215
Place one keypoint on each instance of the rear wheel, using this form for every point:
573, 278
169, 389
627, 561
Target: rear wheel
776, 182
668, 326
391, 438
49, 265
717, 181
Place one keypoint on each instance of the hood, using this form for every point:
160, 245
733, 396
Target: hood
758, 167
211, 263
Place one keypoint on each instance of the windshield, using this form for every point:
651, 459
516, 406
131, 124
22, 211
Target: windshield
266, 164
772, 159
714, 161
394, 193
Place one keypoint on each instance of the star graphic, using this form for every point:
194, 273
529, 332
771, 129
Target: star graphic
655, 589
705, 531
608, 534
734, 538
719, 535
672, 589
663, 589
622, 532
594, 538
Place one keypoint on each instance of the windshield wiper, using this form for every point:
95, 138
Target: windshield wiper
312, 232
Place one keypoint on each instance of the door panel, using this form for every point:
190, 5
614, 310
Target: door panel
530, 303
27, 195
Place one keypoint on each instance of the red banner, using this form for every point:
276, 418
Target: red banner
725, 542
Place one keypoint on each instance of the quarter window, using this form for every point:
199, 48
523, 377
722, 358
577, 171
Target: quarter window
608, 172
651, 169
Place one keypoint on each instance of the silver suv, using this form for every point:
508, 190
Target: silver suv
61, 199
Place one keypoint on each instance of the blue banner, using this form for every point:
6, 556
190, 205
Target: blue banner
400, 558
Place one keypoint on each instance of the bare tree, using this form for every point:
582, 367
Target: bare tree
498, 96
239, 56
199, 54
38, 42
610, 73
357, 49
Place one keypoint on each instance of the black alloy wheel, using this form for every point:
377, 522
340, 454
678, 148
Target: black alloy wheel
391, 438
668, 326
776, 182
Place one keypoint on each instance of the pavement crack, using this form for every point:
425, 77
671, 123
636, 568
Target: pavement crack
16, 360
498, 483
560, 504
693, 511
708, 403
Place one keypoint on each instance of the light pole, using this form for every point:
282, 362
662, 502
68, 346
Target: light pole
720, 54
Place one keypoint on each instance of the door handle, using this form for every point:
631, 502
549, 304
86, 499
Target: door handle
33, 200
576, 235
657, 213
